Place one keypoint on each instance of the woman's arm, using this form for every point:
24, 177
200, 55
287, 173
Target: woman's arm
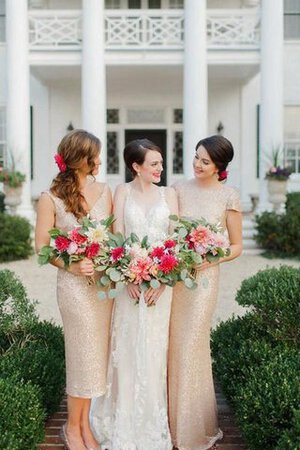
118, 209
46, 221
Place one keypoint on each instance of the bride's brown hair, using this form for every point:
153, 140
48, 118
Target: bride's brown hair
75, 148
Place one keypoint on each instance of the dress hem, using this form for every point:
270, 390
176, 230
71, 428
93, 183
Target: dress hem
213, 440
86, 395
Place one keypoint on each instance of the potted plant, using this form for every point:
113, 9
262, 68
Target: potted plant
277, 177
12, 181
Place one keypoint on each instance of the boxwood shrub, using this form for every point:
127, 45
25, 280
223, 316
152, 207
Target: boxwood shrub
21, 415
15, 239
257, 359
279, 234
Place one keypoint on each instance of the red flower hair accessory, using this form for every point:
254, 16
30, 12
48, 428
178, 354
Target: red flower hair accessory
223, 175
60, 163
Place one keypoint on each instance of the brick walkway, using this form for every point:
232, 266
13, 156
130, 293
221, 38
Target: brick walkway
232, 439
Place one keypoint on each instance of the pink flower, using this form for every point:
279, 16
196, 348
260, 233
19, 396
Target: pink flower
76, 237
140, 269
61, 243
157, 252
168, 263
60, 162
170, 243
72, 249
201, 249
92, 250
117, 253
199, 235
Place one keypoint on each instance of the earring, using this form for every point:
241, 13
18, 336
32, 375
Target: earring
138, 174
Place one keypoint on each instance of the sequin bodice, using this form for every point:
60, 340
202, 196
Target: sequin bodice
212, 204
154, 224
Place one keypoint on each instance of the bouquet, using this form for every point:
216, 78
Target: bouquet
89, 240
136, 261
200, 240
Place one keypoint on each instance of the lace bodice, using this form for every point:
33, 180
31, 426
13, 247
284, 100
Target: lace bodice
155, 223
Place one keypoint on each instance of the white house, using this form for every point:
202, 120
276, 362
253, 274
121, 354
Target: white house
171, 70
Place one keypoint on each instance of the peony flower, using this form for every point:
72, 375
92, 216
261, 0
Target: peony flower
76, 237
92, 250
201, 249
170, 243
200, 234
168, 263
117, 253
61, 243
72, 249
136, 251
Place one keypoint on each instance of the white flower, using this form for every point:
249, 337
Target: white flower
98, 234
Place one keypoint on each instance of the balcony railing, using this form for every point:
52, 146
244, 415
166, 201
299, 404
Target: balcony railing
143, 29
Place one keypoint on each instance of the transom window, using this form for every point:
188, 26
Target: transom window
292, 19
143, 4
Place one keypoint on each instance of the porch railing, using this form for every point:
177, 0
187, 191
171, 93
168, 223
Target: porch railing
144, 29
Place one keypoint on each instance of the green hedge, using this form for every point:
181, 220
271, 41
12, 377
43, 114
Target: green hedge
21, 415
257, 359
15, 240
279, 234
2, 205
290, 439
32, 359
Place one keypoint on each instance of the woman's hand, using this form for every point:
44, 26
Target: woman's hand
206, 264
134, 291
152, 295
82, 268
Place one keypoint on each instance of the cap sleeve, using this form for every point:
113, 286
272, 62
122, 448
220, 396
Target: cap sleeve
233, 201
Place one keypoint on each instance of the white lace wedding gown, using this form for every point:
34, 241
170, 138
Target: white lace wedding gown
133, 413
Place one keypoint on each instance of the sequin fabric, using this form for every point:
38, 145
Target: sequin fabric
86, 319
192, 402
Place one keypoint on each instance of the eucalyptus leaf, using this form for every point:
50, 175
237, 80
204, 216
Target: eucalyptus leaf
102, 295
155, 284
183, 274
188, 283
105, 280
119, 286
112, 293
115, 275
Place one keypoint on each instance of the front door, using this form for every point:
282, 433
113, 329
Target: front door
159, 138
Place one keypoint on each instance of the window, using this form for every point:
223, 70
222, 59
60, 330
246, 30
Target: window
112, 116
176, 4
134, 4
112, 153
292, 19
292, 137
112, 4
154, 4
2, 135
178, 152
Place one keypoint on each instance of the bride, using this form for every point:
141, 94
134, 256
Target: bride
133, 413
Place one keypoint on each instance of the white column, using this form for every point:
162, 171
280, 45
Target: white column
18, 103
195, 80
93, 74
271, 109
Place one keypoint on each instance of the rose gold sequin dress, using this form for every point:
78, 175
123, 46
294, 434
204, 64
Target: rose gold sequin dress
86, 318
192, 402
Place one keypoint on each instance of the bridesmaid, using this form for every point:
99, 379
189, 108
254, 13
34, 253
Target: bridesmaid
73, 194
192, 403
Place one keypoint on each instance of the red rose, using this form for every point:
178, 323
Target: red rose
92, 250
167, 263
76, 237
61, 243
170, 243
117, 253
190, 243
157, 252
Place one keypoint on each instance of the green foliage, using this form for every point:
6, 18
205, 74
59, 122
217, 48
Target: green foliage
290, 439
280, 233
15, 240
32, 355
257, 359
2, 205
21, 415
274, 295
17, 312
